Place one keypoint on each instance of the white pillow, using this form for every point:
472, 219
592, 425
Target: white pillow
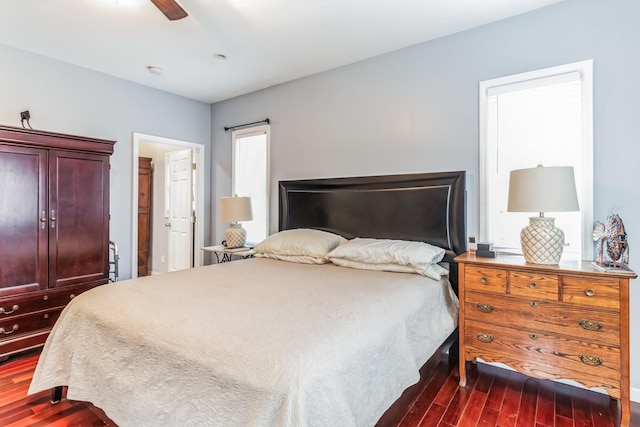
434, 271
385, 251
300, 259
302, 245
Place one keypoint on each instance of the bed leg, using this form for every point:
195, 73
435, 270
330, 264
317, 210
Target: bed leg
454, 349
56, 394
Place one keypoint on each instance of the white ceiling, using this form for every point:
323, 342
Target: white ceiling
266, 41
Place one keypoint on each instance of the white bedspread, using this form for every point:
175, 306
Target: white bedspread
257, 342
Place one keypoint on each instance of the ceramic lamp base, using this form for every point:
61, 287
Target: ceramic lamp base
542, 242
236, 236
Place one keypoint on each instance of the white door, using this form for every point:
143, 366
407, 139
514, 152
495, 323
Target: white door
179, 203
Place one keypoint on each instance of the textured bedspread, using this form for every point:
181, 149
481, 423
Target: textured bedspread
257, 342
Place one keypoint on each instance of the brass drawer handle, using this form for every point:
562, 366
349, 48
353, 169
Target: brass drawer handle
533, 304
590, 360
15, 328
533, 336
485, 308
484, 280
486, 338
590, 325
589, 292
13, 309
532, 285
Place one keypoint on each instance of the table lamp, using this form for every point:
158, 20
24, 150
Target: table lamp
233, 210
542, 189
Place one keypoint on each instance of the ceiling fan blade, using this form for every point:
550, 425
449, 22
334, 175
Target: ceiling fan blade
170, 8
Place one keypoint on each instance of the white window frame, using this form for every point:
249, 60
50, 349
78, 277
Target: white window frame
585, 68
244, 133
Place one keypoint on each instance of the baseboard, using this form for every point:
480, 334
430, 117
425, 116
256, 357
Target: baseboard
635, 395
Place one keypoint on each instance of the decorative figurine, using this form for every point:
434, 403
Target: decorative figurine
611, 236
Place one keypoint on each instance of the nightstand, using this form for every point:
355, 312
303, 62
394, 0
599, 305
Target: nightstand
567, 321
224, 254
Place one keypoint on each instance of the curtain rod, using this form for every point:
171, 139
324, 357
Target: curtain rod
228, 128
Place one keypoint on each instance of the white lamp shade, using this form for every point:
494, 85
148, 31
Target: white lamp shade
235, 209
543, 189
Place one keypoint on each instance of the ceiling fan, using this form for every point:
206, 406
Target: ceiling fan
170, 8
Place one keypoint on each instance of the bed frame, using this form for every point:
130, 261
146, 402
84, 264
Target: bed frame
427, 207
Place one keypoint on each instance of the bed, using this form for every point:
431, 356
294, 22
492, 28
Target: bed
266, 342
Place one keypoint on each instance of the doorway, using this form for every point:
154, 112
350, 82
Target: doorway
164, 256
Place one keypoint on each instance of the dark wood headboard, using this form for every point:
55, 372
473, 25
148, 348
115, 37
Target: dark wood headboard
426, 207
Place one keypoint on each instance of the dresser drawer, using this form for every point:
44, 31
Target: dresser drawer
20, 325
594, 326
556, 356
485, 279
28, 303
532, 285
591, 292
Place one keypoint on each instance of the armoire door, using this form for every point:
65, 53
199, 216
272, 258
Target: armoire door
78, 218
23, 220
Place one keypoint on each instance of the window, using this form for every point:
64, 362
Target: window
541, 117
250, 176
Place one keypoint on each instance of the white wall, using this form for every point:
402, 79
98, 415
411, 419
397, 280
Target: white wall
416, 110
69, 99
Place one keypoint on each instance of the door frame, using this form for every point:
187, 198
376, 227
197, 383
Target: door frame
199, 156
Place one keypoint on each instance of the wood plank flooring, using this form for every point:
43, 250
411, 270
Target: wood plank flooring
493, 397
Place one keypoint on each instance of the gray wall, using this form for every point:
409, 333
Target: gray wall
416, 110
69, 99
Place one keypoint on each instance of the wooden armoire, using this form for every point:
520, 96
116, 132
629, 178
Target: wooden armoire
145, 179
54, 229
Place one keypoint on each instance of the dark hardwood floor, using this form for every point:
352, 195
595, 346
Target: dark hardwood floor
492, 397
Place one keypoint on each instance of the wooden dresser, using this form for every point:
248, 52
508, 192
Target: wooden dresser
54, 229
555, 322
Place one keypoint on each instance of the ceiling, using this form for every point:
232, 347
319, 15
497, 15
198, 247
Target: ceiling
266, 42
